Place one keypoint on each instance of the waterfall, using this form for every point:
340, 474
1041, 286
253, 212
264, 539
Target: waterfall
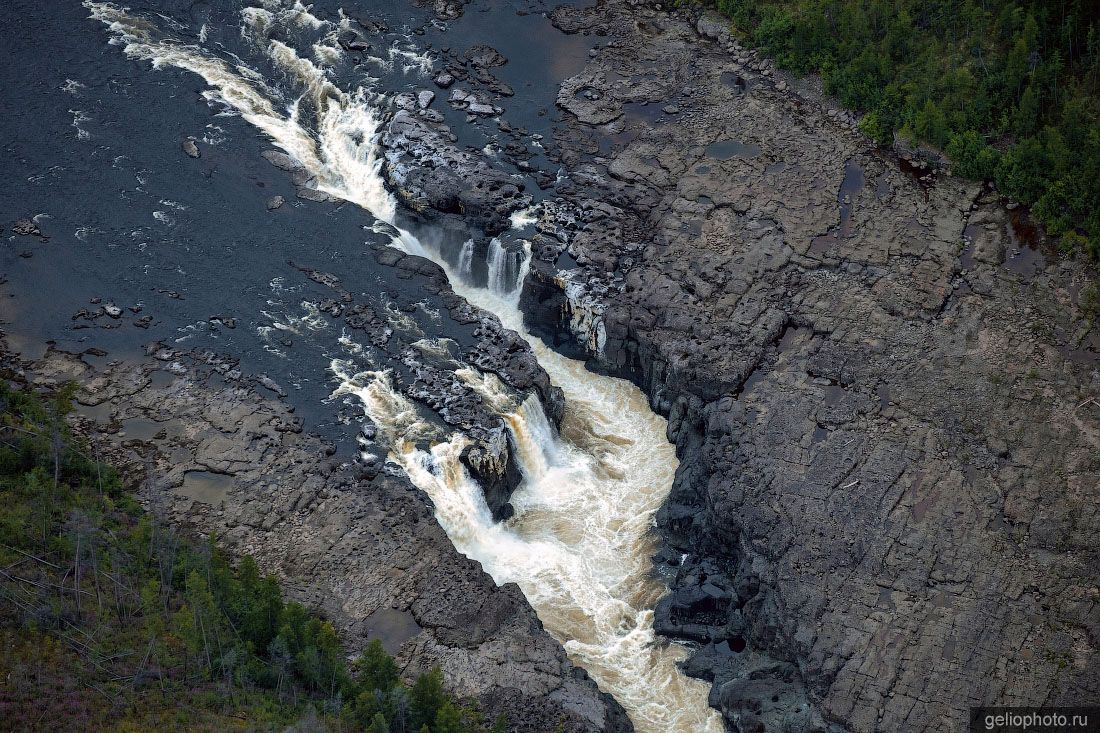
532, 438
580, 543
524, 268
523, 218
497, 263
466, 259
507, 268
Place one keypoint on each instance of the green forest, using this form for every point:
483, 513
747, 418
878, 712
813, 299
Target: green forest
1009, 89
110, 620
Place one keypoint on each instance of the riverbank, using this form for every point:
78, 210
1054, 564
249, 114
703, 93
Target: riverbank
134, 625
213, 456
198, 288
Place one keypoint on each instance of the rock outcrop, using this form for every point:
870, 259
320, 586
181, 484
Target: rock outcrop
430, 174
213, 454
423, 360
884, 403
883, 397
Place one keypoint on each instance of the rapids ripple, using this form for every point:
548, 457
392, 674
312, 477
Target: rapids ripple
580, 543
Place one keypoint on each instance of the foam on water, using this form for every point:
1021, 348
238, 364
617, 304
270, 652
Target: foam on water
507, 269
523, 218
580, 543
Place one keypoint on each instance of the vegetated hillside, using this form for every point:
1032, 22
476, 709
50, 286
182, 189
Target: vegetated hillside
1010, 89
110, 620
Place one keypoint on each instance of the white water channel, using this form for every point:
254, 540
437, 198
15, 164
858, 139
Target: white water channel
580, 543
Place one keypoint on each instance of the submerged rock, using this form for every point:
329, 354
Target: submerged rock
485, 57
190, 148
26, 228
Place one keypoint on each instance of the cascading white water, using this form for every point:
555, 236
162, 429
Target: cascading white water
496, 262
507, 268
466, 259
580, 543
524, 268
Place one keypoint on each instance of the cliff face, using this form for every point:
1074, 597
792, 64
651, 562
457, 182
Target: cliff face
883, 400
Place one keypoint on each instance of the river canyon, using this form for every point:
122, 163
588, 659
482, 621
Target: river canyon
572, 348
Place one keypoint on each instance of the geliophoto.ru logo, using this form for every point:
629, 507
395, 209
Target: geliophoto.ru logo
1085, 719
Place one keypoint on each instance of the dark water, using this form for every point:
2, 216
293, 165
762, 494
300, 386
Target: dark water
132, 220
736, 82
1026, 252
726, 149
205, 486
850, 187
92, 150
539, 58
1024, 255
853, 183
392, 627
966, 257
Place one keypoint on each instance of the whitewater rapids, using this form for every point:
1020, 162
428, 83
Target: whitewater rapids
580, 543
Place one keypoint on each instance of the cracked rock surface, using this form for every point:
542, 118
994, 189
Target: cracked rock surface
212, 453
884, 401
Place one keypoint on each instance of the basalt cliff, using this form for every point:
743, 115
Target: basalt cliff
883, 400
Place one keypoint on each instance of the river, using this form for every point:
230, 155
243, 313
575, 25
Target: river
581, 540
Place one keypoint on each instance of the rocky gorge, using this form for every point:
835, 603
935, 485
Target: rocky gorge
882, 399
880, 392
881, 395
215, 451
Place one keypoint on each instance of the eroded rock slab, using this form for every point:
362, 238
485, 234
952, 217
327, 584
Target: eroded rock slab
430, 174
887, 488
218, 457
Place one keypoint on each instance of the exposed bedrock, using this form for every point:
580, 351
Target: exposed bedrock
213, 452
465, 196
884, 401
424, 364
431, 175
